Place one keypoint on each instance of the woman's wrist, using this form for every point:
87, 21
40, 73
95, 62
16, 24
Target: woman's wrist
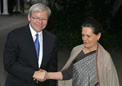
54, 75
49, 75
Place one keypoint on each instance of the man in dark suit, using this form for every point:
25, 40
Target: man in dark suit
25, 54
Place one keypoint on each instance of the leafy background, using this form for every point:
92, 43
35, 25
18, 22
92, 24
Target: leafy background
66, 20
68, 16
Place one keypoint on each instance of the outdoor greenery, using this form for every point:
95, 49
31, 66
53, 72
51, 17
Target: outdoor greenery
66, 22
68, 16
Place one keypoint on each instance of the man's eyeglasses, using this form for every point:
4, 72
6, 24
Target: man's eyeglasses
38, 19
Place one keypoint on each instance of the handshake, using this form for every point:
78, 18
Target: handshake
40, 75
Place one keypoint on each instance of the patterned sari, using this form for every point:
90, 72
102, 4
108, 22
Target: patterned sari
84, 70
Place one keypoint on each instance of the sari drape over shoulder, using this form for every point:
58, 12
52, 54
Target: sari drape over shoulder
106, 71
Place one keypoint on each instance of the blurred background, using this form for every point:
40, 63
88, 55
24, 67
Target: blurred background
68, 15
65, 22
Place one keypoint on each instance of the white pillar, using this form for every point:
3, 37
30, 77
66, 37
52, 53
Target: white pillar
0, 7
5, 7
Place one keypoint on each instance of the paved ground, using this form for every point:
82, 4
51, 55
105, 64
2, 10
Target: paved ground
7, 23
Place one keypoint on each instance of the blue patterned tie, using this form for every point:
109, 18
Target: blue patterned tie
37, 45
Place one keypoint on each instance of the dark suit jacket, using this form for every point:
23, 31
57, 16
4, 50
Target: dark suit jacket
20, 59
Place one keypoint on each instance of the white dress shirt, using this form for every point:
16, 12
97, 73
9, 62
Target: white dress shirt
33, 33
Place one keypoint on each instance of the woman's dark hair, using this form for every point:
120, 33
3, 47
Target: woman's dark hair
93, 23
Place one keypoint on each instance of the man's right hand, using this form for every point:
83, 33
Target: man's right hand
40, 75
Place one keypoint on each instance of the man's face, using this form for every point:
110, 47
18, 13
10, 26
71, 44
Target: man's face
38, 20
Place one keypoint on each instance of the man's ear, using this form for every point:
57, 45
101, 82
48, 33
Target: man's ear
29, 17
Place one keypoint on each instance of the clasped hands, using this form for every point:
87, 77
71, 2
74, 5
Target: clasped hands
40, 75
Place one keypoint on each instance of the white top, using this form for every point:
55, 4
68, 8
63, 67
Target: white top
33, 33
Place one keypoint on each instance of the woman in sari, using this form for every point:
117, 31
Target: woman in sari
89, 63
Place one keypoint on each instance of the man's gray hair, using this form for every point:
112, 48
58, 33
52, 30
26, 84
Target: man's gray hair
40, 8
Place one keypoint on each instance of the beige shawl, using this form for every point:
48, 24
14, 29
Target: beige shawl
106, 72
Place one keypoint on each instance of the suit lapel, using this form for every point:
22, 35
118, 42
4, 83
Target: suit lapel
30, 46
45, 49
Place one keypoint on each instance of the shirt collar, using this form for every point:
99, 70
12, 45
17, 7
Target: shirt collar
34, 32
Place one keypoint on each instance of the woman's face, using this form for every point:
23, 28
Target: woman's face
89, 38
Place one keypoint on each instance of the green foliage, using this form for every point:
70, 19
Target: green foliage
112, 39
66, 28
66, 23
